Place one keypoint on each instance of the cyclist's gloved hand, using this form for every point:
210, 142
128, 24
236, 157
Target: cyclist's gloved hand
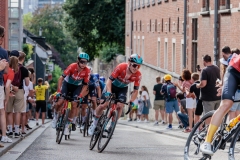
131, 104
58, 94
107, 94
80, 98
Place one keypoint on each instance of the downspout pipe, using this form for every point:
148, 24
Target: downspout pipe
185, 34
131, 49
216, 52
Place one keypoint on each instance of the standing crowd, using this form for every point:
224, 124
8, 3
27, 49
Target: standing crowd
17, 95
193, 95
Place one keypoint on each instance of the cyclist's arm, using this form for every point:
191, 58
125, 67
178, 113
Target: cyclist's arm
84, 91
99, 91
60, 81
134, 95
109, 84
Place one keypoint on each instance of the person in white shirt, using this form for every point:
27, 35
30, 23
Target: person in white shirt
28, 94
145, 98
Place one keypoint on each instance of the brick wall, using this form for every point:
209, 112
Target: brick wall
4, 20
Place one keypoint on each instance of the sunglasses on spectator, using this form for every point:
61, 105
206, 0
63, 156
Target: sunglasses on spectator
135, 65
83, 62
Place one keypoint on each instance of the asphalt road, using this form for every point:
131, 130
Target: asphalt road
128, 143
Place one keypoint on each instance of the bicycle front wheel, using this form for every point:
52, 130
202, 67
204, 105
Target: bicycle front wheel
97, 132
64, 122
234, 148
196, 138
59, 127
107, 131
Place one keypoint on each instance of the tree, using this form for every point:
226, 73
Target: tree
50, 19
57, 72
96, 24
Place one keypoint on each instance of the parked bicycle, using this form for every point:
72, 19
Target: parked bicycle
221, 137
106, 124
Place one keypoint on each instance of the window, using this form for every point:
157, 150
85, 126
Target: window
136, 26
143, 3
158, 52
205, 5
159, 1
140, 27
153, 2
162, 25
173, 27
138, 51
143, 49
178, 25
150, 26
174, 56
139, 4
169, 24
13, 12
155, 25
225, 4
13, 45
159, 27
166, 54
194, 43
166, 28
148, 3
134, 4
182, 26
14, 31
134, 45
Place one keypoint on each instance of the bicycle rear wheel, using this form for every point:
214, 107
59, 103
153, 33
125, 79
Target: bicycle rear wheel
97, 132
234, 146
195, 139
64, 122
107, 131
85, 131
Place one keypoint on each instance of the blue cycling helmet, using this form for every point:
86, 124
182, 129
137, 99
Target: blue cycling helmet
96, 75
102, 79
136, 58
83, 55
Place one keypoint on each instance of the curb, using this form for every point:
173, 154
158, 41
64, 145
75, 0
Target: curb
6, 149
159, 132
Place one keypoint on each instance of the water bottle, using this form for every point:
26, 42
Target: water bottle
232, 123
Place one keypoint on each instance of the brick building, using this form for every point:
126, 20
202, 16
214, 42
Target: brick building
154, 29
4, 19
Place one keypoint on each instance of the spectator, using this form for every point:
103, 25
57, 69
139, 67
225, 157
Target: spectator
208, 90
28, 94
3, 69
140, 107
146, 104
169, 91
235, 50
190, 101
159, 102
182, 114
31, 102
40, 99
134, 110
16, 102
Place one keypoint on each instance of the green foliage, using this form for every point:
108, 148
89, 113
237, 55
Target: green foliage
96, 24
50, 19
28, 50
57, 72
27, 18
109, 52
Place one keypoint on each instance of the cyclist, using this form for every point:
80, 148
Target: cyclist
102, 83
75, 81
117, 83
230, 84
94, 91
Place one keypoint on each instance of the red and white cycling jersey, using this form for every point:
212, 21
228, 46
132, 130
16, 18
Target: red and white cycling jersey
74, 77
235, 62
119, 75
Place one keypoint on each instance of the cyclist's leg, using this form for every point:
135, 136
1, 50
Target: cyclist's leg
231, 81
121, 94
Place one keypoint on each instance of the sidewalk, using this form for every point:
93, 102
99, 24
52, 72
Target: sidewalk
161, 129
32, 124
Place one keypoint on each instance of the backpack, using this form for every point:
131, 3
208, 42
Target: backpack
171, 91
17, 81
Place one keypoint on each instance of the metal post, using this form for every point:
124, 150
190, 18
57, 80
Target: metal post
131, 49
185, 34
35, 61
216, 32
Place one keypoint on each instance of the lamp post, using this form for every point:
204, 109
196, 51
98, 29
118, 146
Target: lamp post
40, 31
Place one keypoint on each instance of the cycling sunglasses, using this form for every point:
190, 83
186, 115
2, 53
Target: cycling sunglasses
135, 65
83, 62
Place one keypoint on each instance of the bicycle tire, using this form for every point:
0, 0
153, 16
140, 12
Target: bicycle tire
65, 119
59, 126
80, 120
233, 143
102, 147
96, 134
200, 136
85, 131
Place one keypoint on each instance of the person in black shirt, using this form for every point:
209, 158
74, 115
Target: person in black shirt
159, 102
196, 91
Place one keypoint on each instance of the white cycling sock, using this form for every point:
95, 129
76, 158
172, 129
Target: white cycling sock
74, 120
16, 128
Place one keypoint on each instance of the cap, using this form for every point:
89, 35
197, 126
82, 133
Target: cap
223, 61
14, 53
